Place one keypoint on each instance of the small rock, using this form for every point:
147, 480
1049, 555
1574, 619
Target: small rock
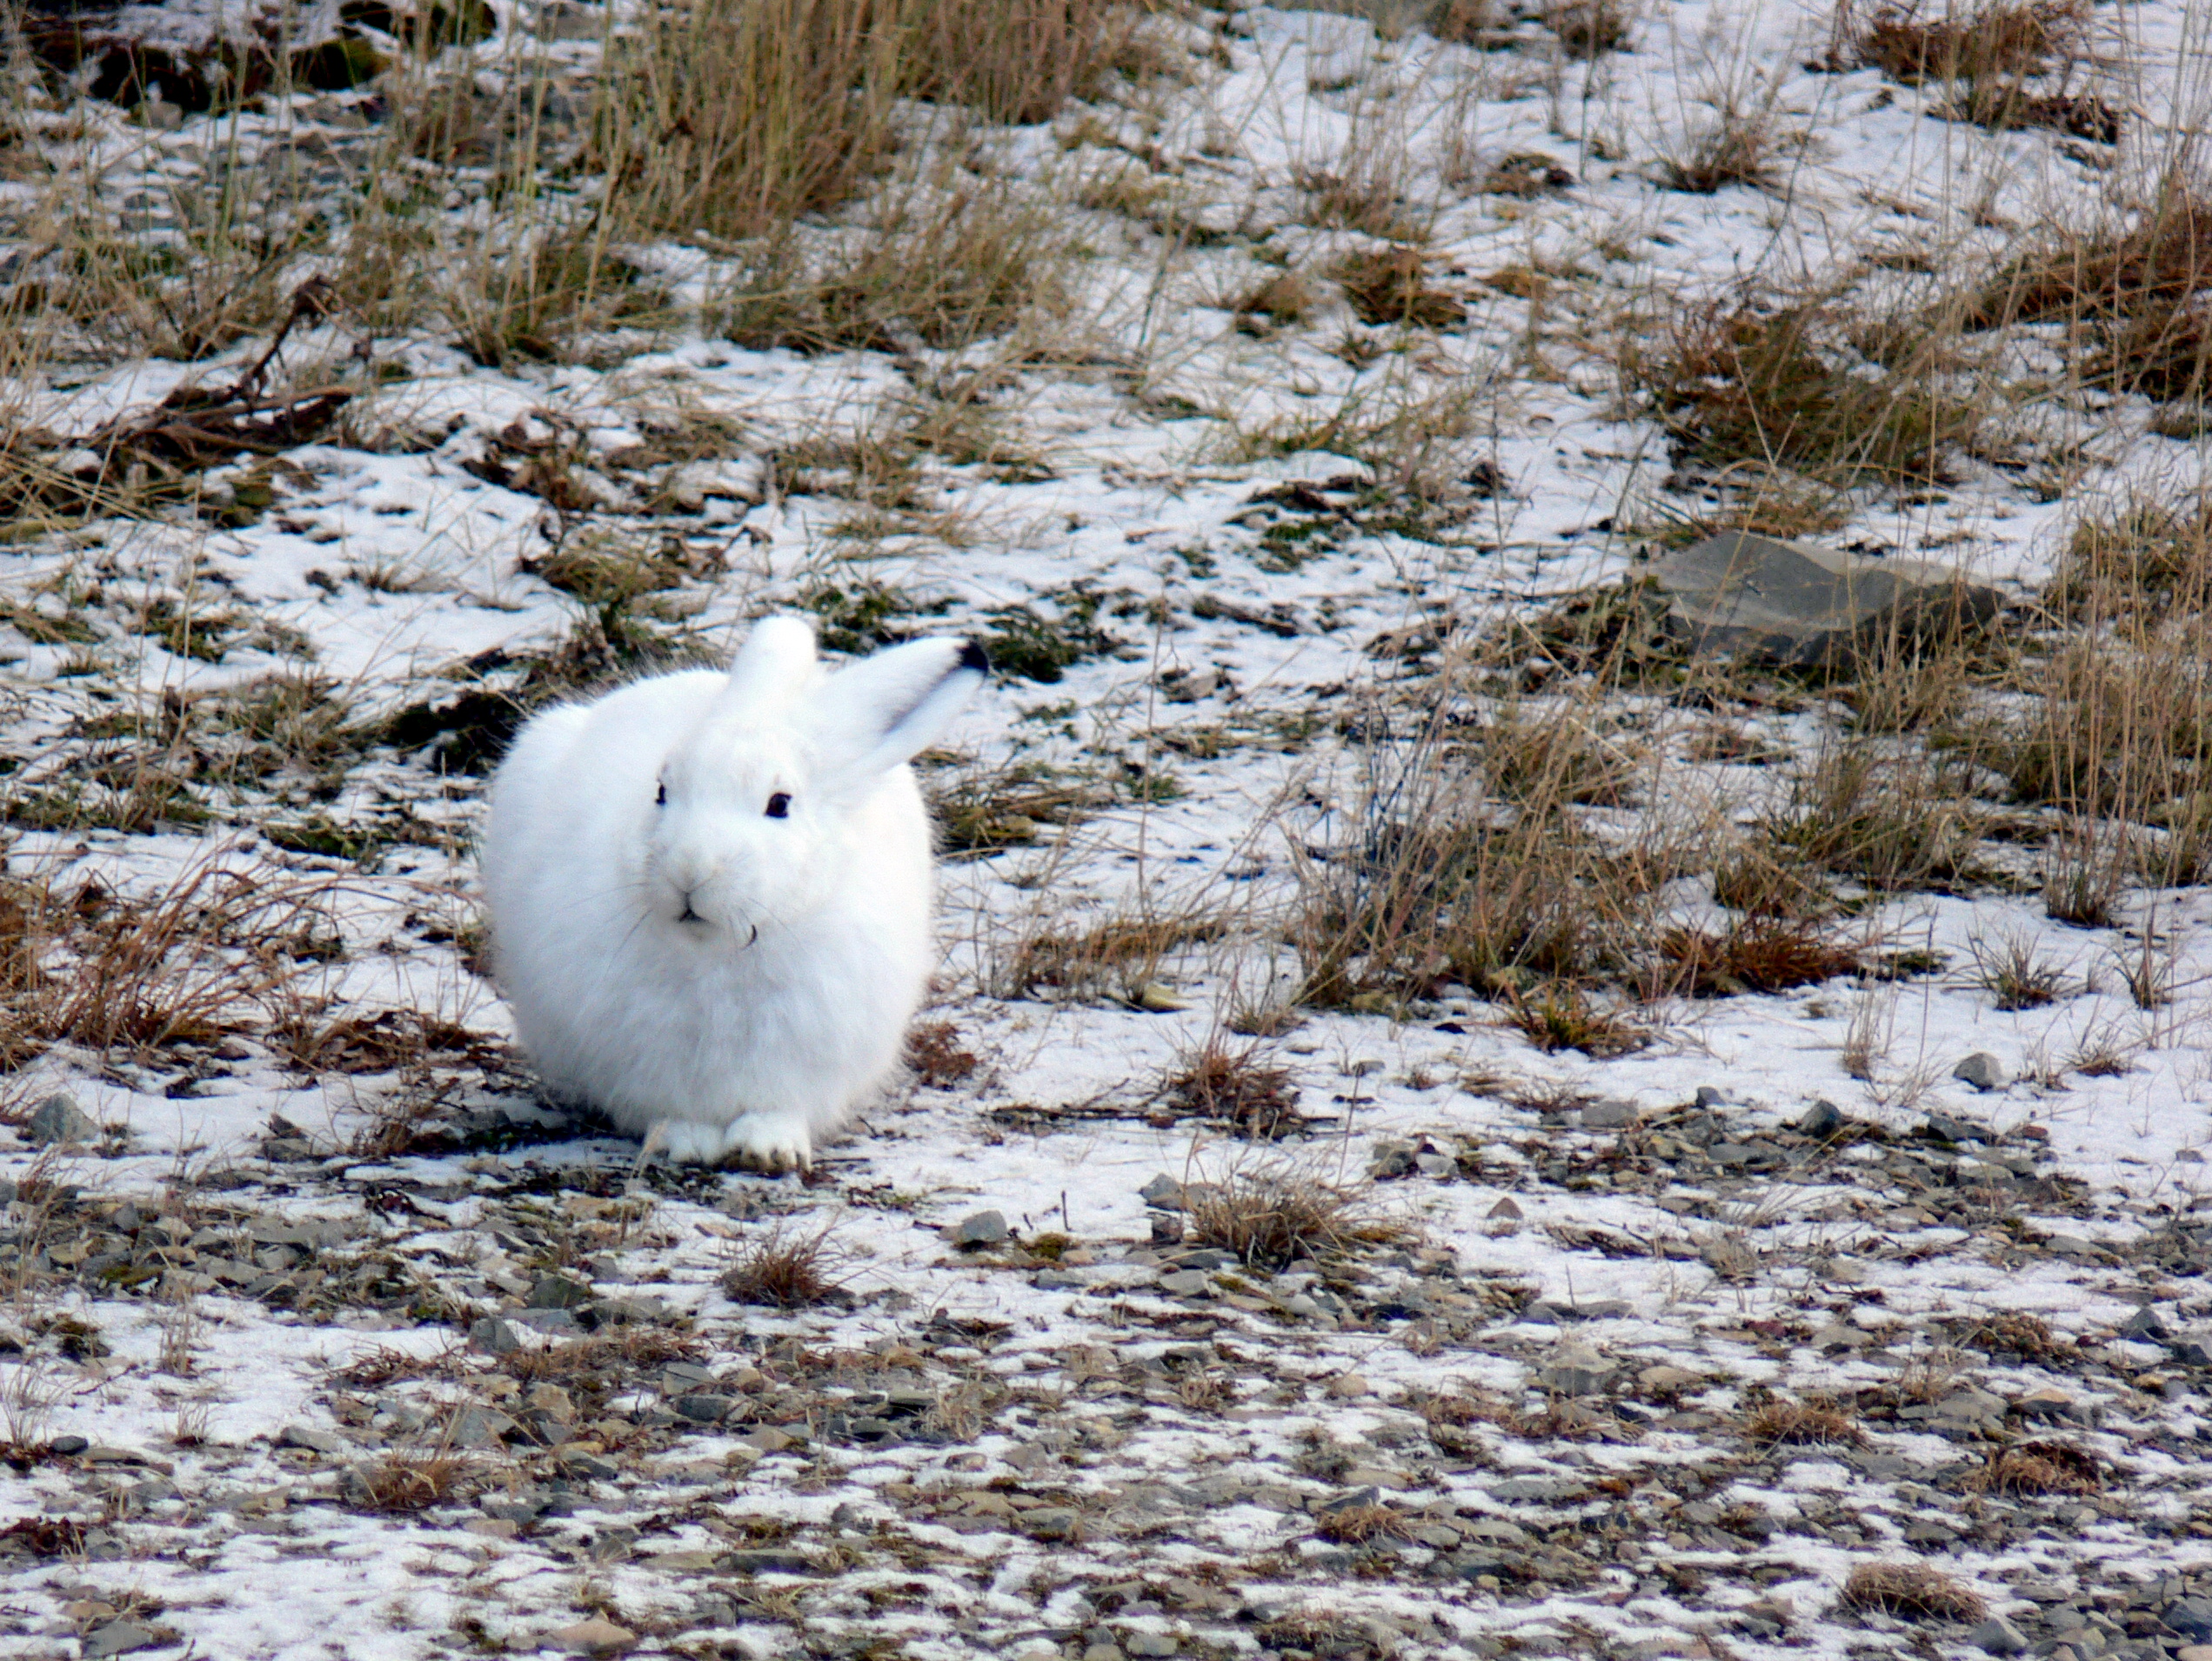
1663, 1380
1053, 1523
1185, 1282
1753, 597
2191, 1618
1942, 1127
1575, 1372
2190, 1353
1104, 1652
1147, 1644
1542, 1490
594, 1636
1391, 1161
1163, 1192
58, 1119
2145, 1324
1997, 1635
479, 1427
767, 1562
1820, 1121
1436, 1165
68, 1446
493, 1336
1346, 1387
1167, 1228
1612, 1113
626, 1311
1984, 1072
984, 1228
1352, 1499
120, 1637
1709, 1097
2194, 1652
303, 1436
559, 1292
1505, 1211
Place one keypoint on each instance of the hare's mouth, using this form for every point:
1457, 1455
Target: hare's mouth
691, 920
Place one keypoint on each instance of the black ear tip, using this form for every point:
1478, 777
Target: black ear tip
972, 656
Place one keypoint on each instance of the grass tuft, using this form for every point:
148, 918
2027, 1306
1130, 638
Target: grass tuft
1268, 1219
1762, 955
784, 1272
1917, 1589
1234, 1086
2038, 1468
1808, 1424
1787, 385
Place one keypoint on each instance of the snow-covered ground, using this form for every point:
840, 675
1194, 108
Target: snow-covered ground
331, 1344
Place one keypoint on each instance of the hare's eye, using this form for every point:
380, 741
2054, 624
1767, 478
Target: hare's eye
661, 796
780, 806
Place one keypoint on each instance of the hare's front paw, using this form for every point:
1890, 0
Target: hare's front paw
686, 1141
770, 1142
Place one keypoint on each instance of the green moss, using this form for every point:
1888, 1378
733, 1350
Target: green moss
1023, 641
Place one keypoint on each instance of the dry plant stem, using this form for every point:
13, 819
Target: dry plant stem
193, 961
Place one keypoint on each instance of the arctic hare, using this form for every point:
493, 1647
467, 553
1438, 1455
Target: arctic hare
711, 894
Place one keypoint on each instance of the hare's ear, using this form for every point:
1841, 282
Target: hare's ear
773, 663
886, 709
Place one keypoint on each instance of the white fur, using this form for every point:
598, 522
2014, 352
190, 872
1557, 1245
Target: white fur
724, 982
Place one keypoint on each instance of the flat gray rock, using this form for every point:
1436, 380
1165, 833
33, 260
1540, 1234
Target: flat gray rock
984, 1228
58, 1119
1792, 604
1982, 1070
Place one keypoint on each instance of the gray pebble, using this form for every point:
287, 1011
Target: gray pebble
119, 1638
1982, 1070
1163, 1191
984, 1228
58, 1119
1821, 1119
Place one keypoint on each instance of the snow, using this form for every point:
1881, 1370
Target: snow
1157, 428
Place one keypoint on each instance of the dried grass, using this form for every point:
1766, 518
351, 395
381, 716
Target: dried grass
2004, 43
936, 1055
1268, 1218
1438, 880
1233, 1087
1362, 1524
784, 1270
2040, 1468
1782, 383
738, 116
1760, 955
1119, 957
942, 262
1807, 1424
190, 961
414, 1482
2145, 262
1913, 1589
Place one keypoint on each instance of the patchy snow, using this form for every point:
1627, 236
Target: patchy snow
245, 1333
